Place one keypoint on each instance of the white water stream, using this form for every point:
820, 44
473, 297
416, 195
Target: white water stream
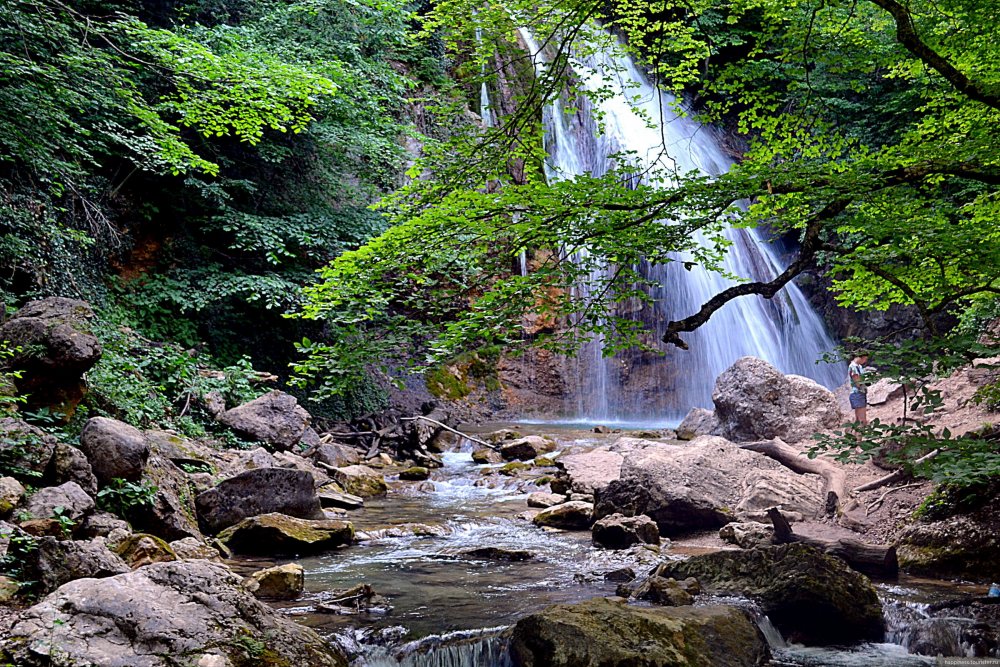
635, 388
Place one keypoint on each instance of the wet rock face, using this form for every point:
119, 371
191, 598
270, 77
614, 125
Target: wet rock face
114, 449
755, 401
275, 418
602, 632
157, 616
258, 492
810, 597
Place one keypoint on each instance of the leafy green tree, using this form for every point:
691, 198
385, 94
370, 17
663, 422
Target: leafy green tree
868, 132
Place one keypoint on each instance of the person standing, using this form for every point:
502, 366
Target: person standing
859, 388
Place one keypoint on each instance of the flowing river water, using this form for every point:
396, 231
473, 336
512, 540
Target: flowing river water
449, 608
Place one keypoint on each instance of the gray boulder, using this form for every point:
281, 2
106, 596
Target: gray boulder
361, 481
73, 500
171, 514
698, 421
275, 418
59, 561
812, 598
189, 547
620, 532
25, 450
337, 456
542, 499
587, 472
606, 633
69, 464
682, 488
526, 448
53, 336
271, 534
11, 492
184, 612
102, 524
115, 449
755, 401
296, 462
258, 492
747, 534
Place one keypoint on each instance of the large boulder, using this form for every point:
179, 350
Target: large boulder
963, 546
361, 481
684, 487
608, 633
69, 464
73, 500
698, 421
167, 614
798, 496
25, 450
275, 418
526, 448
11, 492
336, 455
141, 549
115, 449
755, 401
171, 514
56, 562
258, 492
620, 532
587, 472
56, 349
271, 534
810, 597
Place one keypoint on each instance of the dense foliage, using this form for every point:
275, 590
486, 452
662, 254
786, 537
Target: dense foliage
867, 130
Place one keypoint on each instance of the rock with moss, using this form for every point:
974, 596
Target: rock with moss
11, 492
362, 481
170, 512
812, 598
526, 448
274, 534
167, 614
415, 474
486, 456
255, 492
276, 418
141, 549
282, 582
513, 468
573, 515
603, 633
962, 546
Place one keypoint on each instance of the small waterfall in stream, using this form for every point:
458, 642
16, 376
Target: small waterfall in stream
638, 387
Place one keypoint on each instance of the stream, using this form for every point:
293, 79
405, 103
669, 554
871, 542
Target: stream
449, 608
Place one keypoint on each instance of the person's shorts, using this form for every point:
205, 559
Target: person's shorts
858, 400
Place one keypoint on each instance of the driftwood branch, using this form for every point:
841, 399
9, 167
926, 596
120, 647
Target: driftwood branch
895, 476
452, 430
872, 559
834, 477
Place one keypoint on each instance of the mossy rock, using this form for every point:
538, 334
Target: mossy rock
602, 633
143, 549
415, 474
811, 597
544, 462
513, 468
447, 382
270, 534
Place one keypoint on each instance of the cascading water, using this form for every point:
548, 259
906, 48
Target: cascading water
637, 387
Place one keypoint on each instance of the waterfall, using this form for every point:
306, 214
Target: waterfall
642, 387
469, 648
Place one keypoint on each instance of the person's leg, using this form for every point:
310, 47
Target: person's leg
861, 415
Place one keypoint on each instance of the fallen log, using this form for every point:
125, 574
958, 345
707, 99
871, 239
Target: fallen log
897, 475
878, 560
834, 477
